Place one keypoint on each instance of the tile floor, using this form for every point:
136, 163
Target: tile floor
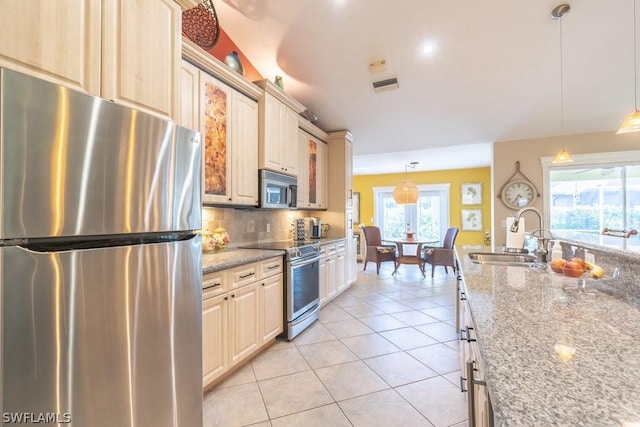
384, 353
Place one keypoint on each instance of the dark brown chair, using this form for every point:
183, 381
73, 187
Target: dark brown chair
442, 255
376, 251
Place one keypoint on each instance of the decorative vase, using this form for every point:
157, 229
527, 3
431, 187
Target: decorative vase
233, 61
278, 82
410, 235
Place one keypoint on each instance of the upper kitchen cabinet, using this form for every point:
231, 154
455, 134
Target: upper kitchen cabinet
228, 121
340, 171
141, 51
120, 50
312, 177
278, 130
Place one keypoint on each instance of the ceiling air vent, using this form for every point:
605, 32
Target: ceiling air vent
385, 85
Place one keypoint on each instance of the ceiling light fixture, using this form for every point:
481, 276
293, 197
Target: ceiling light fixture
563, 156
632, 122
406, 192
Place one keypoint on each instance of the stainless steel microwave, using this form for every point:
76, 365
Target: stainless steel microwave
277, 190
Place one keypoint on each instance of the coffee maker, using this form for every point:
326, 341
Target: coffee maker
315, 228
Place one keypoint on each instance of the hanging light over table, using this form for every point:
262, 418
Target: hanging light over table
563, 156
406, 192
632, 122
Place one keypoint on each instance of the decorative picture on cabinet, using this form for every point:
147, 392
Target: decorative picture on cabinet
215, 141
471, 193
471, 219
313, 148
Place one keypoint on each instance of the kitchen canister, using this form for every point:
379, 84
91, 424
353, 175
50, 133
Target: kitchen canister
300, 229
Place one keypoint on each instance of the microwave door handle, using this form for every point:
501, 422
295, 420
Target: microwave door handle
289, 195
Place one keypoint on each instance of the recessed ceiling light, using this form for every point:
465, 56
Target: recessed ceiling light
428, 48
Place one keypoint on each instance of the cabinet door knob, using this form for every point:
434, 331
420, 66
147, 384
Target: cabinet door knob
233, 295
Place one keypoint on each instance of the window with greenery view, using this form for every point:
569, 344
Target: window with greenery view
585, 199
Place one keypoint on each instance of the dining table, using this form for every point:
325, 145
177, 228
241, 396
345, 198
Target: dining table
411, 258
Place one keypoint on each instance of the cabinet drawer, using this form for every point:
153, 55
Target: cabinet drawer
214, 284
328, 250
243, 275
270, 267
341, 247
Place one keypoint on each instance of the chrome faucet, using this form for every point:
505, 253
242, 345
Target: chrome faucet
542, 251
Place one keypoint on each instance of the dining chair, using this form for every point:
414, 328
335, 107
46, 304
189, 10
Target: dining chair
376, 251
443, 255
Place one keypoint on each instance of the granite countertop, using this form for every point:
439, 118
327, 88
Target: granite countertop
221, 260
521, 313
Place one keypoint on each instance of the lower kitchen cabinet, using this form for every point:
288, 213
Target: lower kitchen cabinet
333, 270
272, 304
242, 312
215, 352
472, 380
243, 325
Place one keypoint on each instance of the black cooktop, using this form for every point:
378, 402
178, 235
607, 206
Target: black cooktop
281, 245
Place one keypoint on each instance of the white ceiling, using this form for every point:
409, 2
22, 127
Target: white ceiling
494, 73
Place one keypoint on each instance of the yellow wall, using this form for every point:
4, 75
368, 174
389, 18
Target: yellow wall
364, 184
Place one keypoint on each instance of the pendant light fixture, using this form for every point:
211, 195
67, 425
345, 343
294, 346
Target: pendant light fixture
406, 192
632, 122
563, 156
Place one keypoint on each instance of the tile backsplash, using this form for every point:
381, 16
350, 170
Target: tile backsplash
251, 225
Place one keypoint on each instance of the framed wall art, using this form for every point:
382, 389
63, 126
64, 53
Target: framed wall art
471, 193
471, 219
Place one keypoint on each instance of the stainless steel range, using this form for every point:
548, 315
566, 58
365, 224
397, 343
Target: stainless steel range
302, 283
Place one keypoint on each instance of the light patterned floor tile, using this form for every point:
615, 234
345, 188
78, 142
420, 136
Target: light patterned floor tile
348, 328
327, 353
385, 408
244, 375
437, 399
440, 331
317, 332
350, 380
365, 346
408, 338
276, 363
324, 416
383, 322
399, 369
293, 393
414, 318
438, 357
234, 406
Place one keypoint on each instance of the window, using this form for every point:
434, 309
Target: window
428, 218
596, 191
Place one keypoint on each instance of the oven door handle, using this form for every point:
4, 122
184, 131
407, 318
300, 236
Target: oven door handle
305, 261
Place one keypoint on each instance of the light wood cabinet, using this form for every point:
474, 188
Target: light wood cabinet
243, 322
124, 51
271, 307
472, 378
215, 338
141, 51
242, 312
228, 121
333, 270
312, 175
278, 136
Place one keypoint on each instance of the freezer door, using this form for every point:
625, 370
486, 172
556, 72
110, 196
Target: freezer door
103, 337
77, 165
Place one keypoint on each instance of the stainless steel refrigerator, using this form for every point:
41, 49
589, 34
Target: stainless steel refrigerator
100, 268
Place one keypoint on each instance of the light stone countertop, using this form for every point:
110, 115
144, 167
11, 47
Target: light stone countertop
221, 260
521, 313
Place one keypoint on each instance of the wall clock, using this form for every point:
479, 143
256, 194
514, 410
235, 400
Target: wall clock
518, 192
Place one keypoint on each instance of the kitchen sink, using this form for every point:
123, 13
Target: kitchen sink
500, 258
